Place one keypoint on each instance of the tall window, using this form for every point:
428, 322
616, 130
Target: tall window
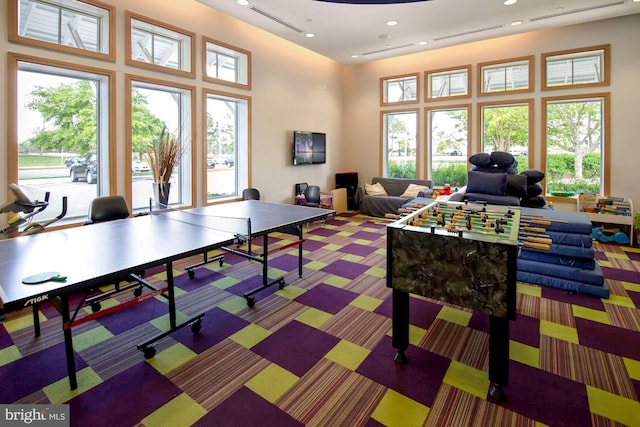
448, 137
78, 26
399, 132
159, 46
507, 127
156, 106
227, 145
63, 134
575, 144
226, 64
399, 89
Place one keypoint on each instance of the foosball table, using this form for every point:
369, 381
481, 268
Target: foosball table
465, 255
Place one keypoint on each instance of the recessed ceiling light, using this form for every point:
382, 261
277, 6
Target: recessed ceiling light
309, 35
516, 23
510, 2
392, 23
354, 56
243, 2
422, 42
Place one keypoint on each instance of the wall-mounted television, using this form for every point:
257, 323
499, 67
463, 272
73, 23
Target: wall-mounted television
309, 148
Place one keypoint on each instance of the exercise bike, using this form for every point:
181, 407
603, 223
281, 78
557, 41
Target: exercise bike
25, 209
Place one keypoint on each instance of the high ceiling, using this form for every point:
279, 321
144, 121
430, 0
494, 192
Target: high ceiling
344, 31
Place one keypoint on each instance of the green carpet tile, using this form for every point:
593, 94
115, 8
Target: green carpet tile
318, 352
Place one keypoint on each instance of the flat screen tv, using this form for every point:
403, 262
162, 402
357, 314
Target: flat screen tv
309, 148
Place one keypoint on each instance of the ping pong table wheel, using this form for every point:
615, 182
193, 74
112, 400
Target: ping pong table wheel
191, 274
95, 306
281, 284
137, 291
149, 352
221, 262
251, 301
196, 326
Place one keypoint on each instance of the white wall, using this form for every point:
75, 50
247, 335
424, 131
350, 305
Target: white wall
362, 97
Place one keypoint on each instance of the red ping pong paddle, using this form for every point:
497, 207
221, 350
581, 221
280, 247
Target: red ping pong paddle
44, 277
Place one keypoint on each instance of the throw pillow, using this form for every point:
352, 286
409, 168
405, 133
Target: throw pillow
413, 190
534, 189
480, 159
375, 189
517, 185
487, 183
534, 202
502, 159
533, 175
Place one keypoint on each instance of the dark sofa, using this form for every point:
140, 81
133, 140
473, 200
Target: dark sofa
395, 197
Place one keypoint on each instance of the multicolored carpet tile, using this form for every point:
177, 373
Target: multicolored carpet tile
318, 352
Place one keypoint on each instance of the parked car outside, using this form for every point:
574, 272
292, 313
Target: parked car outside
211, 163
85, 168
229, 162
455, 153
138, 166
71, 160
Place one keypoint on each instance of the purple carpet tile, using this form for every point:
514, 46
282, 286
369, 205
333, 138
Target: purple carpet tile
525, 330
313, 245
217, 325
633, 256
346, 269
366, 235
636, 385
373, 423
610, 339
618, 274
545, 397
422, 313
418, 379
325, 232
572, 298
359, 250
599, 255
635, 297
35, 371
327, 298
337, 222
479, 321
202, 276
244, 408
376, 225
5, 338
250, 284
309, 346
134, 315
286, 262
123, 400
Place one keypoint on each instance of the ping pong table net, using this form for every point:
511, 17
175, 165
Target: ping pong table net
239, 226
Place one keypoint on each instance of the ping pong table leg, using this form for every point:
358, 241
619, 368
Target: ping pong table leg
300, 250
68, 341
172, 295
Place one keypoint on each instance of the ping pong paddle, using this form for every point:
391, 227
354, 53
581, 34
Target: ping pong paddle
44, 277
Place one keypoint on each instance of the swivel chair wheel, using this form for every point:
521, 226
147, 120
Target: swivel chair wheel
95, 307
149, 352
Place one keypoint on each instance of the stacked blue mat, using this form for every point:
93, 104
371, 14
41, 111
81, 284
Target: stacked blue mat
569, 264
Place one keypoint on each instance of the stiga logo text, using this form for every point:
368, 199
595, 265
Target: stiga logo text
36, 415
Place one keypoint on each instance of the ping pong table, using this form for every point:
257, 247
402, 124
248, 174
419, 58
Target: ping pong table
105, 253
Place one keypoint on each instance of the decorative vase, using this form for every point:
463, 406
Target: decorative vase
161, 194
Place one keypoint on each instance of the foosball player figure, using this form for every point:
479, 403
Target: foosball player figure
469, 222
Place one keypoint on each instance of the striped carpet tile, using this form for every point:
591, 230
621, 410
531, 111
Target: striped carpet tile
358, 326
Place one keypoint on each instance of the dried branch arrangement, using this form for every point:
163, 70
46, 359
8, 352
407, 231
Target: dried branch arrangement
163, 155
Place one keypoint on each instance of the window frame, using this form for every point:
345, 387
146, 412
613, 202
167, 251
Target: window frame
243, 154
529, 102
427, 129
130, 80
606, 140
606, 67
206, 77
191, 46
109, 55
384, 164
450, 70
109, 185
384, 86
529, 59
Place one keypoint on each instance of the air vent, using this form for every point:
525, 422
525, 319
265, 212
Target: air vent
388, 49
569, 12
276, 19
497, 27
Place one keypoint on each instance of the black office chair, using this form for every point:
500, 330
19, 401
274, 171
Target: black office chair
107, 208
312, 196
110, 208
250, 194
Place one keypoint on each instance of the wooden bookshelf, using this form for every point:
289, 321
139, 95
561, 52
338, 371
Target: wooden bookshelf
608, 212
